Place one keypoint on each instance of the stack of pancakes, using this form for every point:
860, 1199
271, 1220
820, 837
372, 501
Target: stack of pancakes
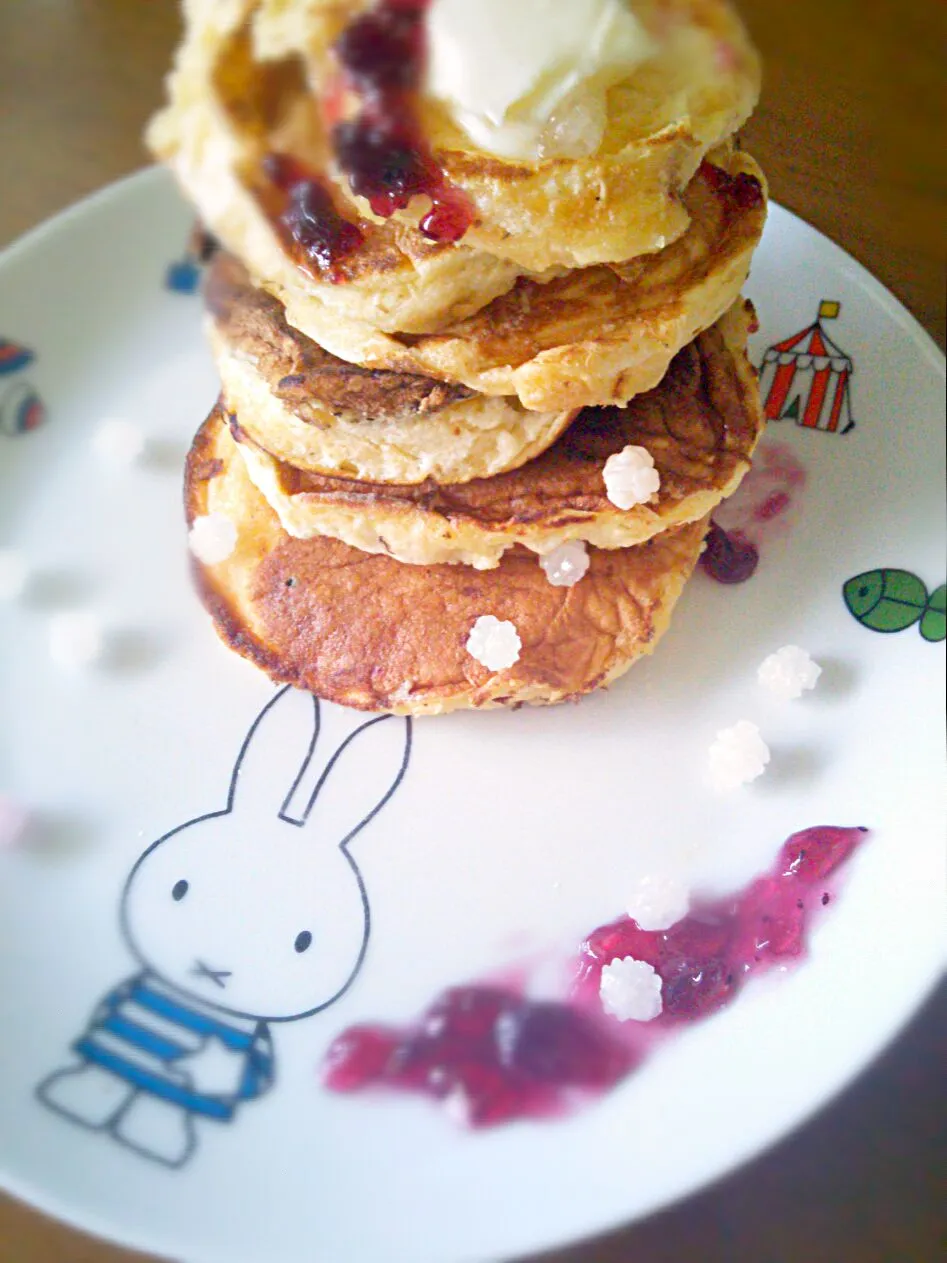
421, 386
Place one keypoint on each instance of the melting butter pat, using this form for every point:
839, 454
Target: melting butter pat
527, 79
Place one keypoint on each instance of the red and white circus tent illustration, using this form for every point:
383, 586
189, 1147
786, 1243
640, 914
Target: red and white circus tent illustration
807, 378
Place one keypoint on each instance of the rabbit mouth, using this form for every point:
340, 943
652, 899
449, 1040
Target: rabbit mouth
219, 976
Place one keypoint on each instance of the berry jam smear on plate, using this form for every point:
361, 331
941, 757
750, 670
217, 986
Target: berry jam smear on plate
493, 1055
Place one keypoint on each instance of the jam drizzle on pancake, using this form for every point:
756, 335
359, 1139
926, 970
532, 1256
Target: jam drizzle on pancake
382, 150
312, 229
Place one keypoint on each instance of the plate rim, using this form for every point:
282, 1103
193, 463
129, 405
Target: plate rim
89, 1221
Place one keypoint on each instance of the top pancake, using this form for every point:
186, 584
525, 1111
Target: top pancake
243, 88
617, 203
226, 113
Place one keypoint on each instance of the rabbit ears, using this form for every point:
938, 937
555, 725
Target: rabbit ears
304, 759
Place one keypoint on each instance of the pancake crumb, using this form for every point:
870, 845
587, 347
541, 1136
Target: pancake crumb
567, 564
212, 538
630, 990
788, 673
14, 819
76, 640
737, 756
658, 902
14, 574
495, 643
118, 443
630, 477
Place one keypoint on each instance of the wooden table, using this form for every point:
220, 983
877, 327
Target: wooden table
850, 131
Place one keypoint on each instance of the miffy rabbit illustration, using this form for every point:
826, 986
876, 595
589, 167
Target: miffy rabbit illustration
251, 915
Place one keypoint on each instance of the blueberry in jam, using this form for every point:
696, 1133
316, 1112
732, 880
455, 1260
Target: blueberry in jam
742, 190
382, 165
728, 558
382, 52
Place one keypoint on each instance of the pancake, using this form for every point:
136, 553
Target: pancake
700, 426
596, 336
314, 411
613, 204
225, 116
368, 632
242, 91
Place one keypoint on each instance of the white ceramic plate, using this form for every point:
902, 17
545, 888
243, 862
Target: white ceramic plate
510, 836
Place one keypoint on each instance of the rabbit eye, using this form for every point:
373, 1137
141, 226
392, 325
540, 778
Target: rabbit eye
303, 939
179, 890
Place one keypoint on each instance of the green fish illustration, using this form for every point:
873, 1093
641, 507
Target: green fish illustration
892, 600
934, 619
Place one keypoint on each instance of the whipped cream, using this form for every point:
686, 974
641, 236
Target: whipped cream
527, 78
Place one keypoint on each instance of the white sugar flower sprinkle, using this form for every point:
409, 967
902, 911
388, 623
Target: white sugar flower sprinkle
567, 564
118, 443
14, 574
212, 538
494, 643
737, 756
76, 640
658, 902
14, 819
631, 990
788, 672
630, 477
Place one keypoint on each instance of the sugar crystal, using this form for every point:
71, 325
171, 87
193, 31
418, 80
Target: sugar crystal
788, 672
495, 643
658, 902
737, 756
118, 443
630, 990
567, 564
630, 477
212, 538
76, 640
14, 574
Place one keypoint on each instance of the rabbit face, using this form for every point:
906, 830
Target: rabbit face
259, 909
253, 917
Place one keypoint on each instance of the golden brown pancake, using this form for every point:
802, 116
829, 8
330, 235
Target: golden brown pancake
618, 202
596, 336
700, 425
366, 631
243, 89
321, 414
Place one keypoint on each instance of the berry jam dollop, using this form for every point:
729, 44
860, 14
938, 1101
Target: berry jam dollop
741, 191
488, 1052
381, 150
307, 221
728, 557
493, 1055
